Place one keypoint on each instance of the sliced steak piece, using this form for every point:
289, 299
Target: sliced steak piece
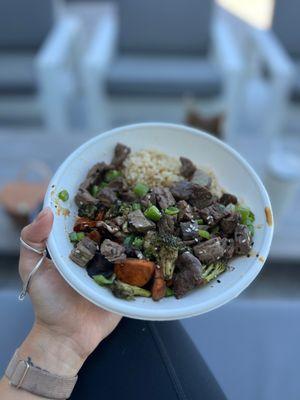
128, 196
213, 214
109, 226
119, 221
84, 251
83, 197
200, 197
189, 230
209, 251
107, 196
182, 190
201, 178
148, 200
228, 224
189, 275
187, 167
138, 222
120, 154
229, 248
112, 251
228, 198
86, 184
190, 243
242, 240
94, 176
96, 173
185, 211
164, 197
118, 184
166, 224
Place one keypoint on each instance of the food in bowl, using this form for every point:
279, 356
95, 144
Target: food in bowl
154, 226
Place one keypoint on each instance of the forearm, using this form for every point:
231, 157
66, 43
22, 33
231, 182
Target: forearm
8, 392
51, 352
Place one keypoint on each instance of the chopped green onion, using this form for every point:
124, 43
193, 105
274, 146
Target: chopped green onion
73, 237
250, 226
138, 243
102, 281
76, 236
204, 234
111, 175
247, 217
245, 213
153, 213
171, 210
136, 206
95, 190
63, 195
80, 235
129, 240
200, 221
169, 292
141, 189
251, 216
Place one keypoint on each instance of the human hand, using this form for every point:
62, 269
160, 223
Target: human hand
67, 326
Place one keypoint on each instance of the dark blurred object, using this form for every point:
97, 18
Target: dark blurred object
161, 52
35, 59
22, 198
211, 125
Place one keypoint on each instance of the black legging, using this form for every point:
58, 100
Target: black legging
144, 360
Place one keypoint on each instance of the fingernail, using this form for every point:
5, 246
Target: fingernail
41, 214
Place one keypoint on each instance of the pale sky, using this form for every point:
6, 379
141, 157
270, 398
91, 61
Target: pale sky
256, 12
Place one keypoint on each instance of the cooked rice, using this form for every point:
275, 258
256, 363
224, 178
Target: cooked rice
158, 169
151, 167
215, 187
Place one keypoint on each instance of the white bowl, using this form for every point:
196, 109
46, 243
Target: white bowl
233, 173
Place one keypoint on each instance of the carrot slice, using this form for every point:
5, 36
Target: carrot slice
95, 235
134, 271
159, 285
100, 216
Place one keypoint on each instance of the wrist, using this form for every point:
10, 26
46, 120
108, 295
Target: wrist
52, 352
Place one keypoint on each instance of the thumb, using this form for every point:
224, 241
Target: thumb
35, 235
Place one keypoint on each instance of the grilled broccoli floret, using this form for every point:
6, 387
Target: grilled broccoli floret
125, 209
103, 281
87, 210
128, 292
150, 245
168, 253
113, 211
168, 240
212, 271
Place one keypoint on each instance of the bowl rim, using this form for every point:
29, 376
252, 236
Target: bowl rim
160, 313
